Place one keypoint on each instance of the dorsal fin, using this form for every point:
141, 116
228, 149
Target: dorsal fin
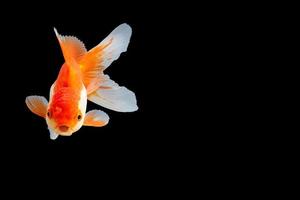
72, 48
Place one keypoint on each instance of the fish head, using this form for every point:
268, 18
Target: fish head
66, 111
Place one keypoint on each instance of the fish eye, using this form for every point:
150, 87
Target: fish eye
48, 114
79, 117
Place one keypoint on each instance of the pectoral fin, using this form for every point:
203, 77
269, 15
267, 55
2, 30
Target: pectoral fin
96, 118
37, 104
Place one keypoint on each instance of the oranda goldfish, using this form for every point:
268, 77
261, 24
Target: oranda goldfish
82, 78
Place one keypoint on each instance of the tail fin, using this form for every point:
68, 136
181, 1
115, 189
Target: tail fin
112, 96
95, 61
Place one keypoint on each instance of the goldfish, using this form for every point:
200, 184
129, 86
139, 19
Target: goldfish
81, 78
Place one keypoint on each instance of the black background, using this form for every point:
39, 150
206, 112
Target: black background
184, 65
203, 75
200, 73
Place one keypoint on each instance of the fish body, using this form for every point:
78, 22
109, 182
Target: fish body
81, 78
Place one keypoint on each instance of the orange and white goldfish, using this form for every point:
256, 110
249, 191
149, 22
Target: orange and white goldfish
82, 78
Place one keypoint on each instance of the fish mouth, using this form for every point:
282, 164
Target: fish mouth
64, 130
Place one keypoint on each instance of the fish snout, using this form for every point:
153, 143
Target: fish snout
63, 128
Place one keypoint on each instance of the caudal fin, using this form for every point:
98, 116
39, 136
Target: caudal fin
112, 96
95, 61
